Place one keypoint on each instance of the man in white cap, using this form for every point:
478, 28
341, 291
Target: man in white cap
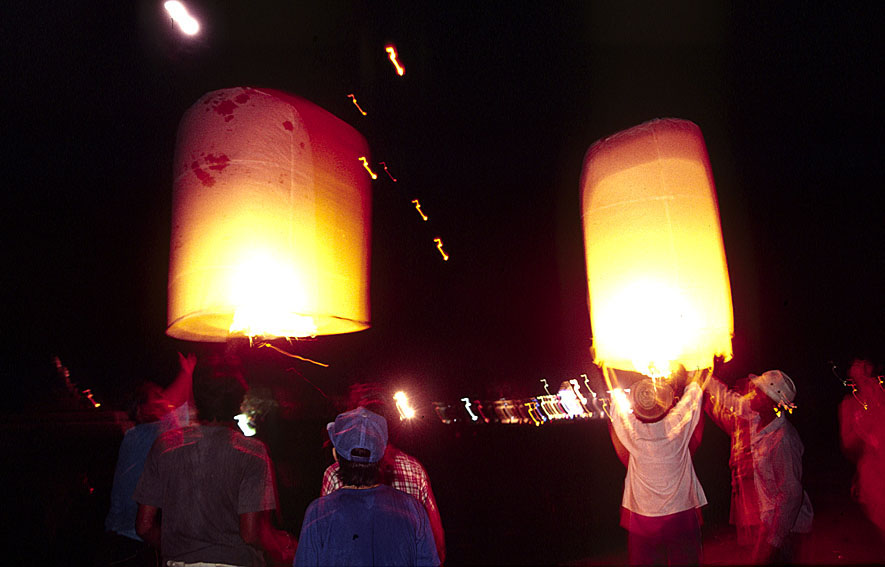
783, 507
364, 522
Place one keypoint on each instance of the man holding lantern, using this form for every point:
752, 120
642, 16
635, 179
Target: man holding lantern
662, 494
771, 504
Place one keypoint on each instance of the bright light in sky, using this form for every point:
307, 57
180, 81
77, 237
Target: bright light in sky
402, 404
178, 12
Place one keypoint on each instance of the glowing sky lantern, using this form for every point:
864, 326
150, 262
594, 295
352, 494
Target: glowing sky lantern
270, 220
659, 292
179, 14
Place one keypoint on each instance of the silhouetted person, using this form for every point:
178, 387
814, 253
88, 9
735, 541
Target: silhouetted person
730, 410
213, 485
364, 522
776, 450
157, 410
862, 424
397, 468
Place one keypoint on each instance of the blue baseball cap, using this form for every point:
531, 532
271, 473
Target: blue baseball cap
359, 429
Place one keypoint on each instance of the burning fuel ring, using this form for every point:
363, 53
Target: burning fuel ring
651, 401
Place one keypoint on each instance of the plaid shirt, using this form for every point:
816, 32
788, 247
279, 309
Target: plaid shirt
404, 473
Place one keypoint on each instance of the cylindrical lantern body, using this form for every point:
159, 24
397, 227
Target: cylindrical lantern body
270, 220
659, 293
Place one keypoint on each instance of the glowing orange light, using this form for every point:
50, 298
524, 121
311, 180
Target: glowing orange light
88, 394
271, 220
659, 293
439, 245
402, 404
179, 14
392, 178
369, 169
391, 52
356, 104
532, 409
418, 207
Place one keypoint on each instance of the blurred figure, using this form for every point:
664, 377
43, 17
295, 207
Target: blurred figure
783, 507
214, 485
364, 522
157, 410
730, 410
662, 494
862, 423
398, 469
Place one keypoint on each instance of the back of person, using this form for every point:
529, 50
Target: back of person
373, 526
203, 470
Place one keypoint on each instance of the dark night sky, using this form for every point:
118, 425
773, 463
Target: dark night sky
488, 129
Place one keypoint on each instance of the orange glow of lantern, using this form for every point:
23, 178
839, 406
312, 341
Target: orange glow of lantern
391, 53
439, 246
659, 292
356, 104
387, 171
372, 174
418, 207
270, 221
179, 14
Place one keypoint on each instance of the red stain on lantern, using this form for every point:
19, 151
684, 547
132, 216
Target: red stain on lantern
218, 162
226, 108
288, 125
204, 177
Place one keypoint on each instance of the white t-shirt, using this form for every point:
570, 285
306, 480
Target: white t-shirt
660, 475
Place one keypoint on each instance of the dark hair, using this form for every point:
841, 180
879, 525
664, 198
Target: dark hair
219, 390
351, 473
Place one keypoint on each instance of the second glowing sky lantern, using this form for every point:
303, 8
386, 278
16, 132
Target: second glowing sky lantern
659, 292
270, 221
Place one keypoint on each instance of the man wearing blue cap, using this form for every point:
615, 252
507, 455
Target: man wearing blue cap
364, 522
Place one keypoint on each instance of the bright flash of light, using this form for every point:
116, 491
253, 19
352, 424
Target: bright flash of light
179, 14
546, 388
570, 402
473, 416
387, 171
356, 104
670, 325
439, 245
245, 425
369, 169
269, 298
418, 207
391, 52
402, 405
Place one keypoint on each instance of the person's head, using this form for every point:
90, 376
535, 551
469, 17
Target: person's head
771, 390
219, 390
862, 370
359, 438
150, 403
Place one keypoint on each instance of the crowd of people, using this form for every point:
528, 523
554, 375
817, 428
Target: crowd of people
191, 490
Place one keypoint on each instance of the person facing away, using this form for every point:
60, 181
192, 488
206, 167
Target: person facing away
776, 450
397, 468
364, 522
213, 485
156, 410
662, 494
862, 428
730, 410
